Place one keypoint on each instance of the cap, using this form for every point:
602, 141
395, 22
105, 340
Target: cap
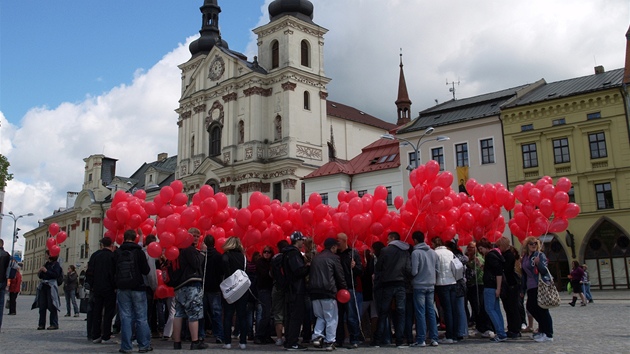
330, 242
297, 236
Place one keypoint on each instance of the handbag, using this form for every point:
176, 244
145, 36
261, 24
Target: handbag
548, 295
235, 286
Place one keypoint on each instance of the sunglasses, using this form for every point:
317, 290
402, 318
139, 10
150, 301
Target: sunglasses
532, 243
267, 252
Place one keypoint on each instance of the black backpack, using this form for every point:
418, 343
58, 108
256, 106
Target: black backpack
277, 272
126, 270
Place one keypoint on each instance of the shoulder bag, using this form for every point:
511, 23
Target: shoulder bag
236, 285
548, 295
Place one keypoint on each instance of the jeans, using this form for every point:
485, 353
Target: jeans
45, 302
493, 309
327, 314
586, 289
71, 298
12, 302
264, 327
409, 315
448, 301
240, 307
3, 287
383, 297
132, 308
348, 312
425, 313
462, 320
212, 304
542, 316
478, 312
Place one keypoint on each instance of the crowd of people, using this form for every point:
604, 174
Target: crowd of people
398, 294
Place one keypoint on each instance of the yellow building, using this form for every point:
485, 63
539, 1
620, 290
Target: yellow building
578, 128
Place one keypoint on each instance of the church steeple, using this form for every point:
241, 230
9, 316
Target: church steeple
403, 103
626, 71
210, 34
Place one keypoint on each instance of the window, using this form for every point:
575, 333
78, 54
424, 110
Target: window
277, 132
561, 150
67, 254
305, 57
571, 194
275, 54
437, 154
389, 196
307, 101
215, 141
324, 198
241, 132
487, 151
527, 127
362, 193
559, 121
90, 177
597, 143
594, 115
277, 191
461, 151
530, 156
603, 192
412, 159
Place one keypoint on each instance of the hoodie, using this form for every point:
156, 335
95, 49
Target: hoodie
393, 265
424, 263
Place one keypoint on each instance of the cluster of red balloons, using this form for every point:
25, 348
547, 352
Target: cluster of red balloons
56, 238
163, 291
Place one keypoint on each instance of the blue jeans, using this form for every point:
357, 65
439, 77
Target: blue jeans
132, 309
212, 304
326, 312
3, 287
586, 289
383, 297
448, 301
71, 298
493, 309
425, 312
462, 320
348, 312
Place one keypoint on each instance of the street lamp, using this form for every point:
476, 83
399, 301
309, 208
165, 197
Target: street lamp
419, 143
15, 219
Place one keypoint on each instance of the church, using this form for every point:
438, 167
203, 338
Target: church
262, 124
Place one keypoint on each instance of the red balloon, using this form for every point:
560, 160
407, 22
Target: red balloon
177, 186
140, 194
54, 250
206, 192
445, 179
179, 199
314, 199
437, 194
161, 292
560, 201
343, 296
154, 250
51, 241
167, 239
380, 193
243, 218
563, 185
61, 236
398, 201
53, 229
222, 200
172, 253
572, 210
558, 225
167, 194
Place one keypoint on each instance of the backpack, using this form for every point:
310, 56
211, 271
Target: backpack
277, 272
457, 267
12, 269
126, 270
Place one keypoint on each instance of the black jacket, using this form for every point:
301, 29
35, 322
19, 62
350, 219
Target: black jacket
100, 272
71, 282
231, 261
295, 269
186, 269
214, 271
142, 265
263, 274
4, 264
53, 271
351, 274
493, 267
326, 276
393, 266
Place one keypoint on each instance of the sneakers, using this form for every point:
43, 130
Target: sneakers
242, 346
198, 345
329, 346
401, 346
589, 301
296, 347
543, 338
227, 346
353, 346
52, 328
434, 343
145, 350
109, 341
536, 335
498, 339
419, 344
488, 334
583, 304
446, 341
279, 342
317, 342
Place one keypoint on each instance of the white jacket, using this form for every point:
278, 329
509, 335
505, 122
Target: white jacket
444, 272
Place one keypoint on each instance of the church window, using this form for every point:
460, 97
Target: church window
215, 140
305, 54
241, 132
275, 54
307, 101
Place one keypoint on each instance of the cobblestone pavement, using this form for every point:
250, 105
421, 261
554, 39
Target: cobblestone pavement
601, 327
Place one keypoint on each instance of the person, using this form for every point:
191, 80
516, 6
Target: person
534, 265
70, 285
586, 284
295, 270
424, 263
512, 283
577, 273
264, 328
4, 265
349, 312
100, 278
213, 276
280, 287
493, 279
326, 277
47, 296
14, 290
369, 315
460, 293
234, 258
390, 272
474, 283
445, 287
185, 276
151, 282
131, 267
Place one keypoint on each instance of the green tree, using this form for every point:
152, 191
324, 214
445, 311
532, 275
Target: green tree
5, 176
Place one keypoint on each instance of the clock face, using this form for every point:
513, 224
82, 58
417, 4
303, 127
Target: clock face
217, 67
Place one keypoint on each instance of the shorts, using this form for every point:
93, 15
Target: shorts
277, 305
189, 302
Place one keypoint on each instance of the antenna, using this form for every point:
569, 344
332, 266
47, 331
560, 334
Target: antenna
452, 89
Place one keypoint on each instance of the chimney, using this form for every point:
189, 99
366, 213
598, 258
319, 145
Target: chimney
162, 156
599, 70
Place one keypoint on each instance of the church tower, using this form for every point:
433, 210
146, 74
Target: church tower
403, 103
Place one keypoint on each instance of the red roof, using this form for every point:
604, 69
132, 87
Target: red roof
380, 155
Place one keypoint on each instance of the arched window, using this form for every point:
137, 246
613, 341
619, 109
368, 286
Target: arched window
307, 100
215, 140
275, 54
214, 184
277, 132
305, 54
241, 132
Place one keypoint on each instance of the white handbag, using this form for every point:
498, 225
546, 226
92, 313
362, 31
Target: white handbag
235, 286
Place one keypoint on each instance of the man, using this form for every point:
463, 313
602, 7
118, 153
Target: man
100, 278
212, 292
14, 290
296, 270
151, 282
278, 291
131, 266
186, 277
326, 277
423, 269
474, 283
391, 269
445, 287
4, 264
349, 312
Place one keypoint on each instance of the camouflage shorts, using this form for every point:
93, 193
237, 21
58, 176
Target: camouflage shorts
189, 302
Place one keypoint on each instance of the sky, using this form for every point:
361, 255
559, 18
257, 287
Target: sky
79, 78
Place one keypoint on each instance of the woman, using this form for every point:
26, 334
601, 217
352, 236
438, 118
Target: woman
586, 285
445, 288
492, 282
534, 265
14, 290
511, 296
234, 258
264, 328
70, 286
577, 273
47, 296
462, 327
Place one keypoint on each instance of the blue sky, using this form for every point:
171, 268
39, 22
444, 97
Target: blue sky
79, 78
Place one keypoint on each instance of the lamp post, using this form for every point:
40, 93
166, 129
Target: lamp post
15, 219
419, 143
